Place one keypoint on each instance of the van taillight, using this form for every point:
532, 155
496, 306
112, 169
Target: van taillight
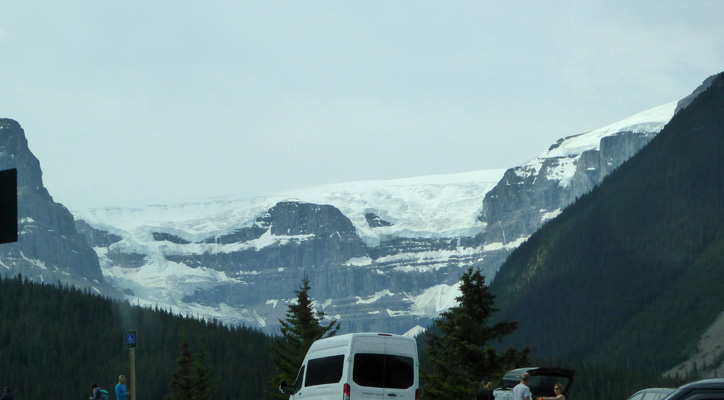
346, 390
417, 394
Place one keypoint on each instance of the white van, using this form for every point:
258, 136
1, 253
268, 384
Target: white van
358, 366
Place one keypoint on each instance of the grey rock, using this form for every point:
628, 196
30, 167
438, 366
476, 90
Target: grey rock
49, 248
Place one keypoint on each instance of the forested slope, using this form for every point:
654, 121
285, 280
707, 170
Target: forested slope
55, 342
632, 273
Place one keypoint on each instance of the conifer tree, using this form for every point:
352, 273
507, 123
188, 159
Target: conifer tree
204, 382
182, 383
300, 329
192, 380
462, 354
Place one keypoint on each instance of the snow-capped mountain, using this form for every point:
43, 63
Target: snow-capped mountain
532, 193
380, 255
239, 259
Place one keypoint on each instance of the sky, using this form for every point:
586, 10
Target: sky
156, 102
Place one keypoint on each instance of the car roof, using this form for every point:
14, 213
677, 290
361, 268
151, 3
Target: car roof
705, 383
516, 373
653, 390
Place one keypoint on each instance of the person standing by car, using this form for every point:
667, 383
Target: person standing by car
521, 391
485, 392
95, 392
558, 390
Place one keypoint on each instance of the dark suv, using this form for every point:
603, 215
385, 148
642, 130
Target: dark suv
708, 389
651, 394
541, 382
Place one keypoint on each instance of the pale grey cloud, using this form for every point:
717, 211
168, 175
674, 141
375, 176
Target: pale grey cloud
166, 101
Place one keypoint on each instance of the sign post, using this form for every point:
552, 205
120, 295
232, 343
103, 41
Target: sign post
130, 340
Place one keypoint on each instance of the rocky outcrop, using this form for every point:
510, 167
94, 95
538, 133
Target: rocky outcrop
298, 235
374, 220
683, 103
254, 270
531, 194
49, 248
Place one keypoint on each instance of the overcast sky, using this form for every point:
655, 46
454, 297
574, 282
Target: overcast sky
154, 101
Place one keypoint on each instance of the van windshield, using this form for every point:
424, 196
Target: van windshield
383, 371
298, 382
321, 371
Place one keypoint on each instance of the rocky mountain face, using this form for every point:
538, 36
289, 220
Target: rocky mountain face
530, 194
49, 248
380, 256
533, 193
247, 274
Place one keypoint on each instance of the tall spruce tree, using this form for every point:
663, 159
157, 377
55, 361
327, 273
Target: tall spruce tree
462, 354
193, 380
300, 329
204, 381
182, 384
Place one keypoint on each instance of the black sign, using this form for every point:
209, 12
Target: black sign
9, 206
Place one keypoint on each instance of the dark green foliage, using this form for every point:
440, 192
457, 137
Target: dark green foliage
182, 384
61, 340
463, 353
300, 329
204, 382
193, 380
630, 275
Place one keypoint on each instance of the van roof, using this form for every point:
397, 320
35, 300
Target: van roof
346, 339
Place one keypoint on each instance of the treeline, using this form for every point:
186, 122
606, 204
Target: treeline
55, 342
592, 380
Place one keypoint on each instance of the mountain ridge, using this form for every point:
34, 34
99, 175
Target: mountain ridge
419, 234
380, 255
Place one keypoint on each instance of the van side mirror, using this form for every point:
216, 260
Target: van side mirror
284, 388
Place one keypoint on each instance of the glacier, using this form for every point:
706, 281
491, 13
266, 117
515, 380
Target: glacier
416, 236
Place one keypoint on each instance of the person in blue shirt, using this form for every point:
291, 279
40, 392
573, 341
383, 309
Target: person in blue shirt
121, 391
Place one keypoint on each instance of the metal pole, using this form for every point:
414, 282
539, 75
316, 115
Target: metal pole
133, 374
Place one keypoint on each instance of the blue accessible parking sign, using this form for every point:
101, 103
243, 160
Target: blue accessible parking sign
130, 339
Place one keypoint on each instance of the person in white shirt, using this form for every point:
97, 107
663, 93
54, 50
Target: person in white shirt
521, 391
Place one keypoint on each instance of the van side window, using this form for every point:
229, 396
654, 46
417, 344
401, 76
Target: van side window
383, 371
321, 371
